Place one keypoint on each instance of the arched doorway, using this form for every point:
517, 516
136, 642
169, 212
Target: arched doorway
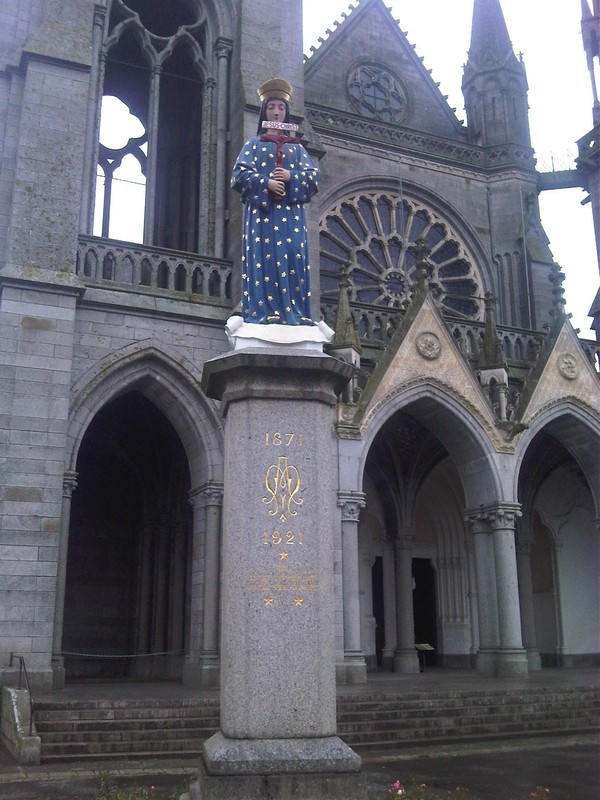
414, 512
558, 568
127, 587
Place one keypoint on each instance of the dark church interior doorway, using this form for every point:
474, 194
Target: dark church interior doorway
424, 609
127, 586
378, 611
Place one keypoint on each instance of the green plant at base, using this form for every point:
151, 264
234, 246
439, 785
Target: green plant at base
420, 791
108, 790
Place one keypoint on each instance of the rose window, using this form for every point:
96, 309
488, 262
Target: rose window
375, 93
374, 234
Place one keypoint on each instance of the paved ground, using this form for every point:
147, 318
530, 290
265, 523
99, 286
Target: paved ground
508, 770
568, 766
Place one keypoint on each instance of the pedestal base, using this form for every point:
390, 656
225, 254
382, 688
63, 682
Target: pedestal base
353, 670
225, 756
502, 663
534, 660
292, 769
406, 661
203, 675
512, 664
486, 663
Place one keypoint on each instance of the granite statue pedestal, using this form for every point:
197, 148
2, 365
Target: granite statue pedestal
278, 691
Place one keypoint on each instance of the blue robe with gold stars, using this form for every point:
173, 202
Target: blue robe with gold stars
275, 264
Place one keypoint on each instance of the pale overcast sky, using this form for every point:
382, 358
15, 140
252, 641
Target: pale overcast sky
548, 33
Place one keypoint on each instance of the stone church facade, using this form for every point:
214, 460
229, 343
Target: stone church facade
468, 441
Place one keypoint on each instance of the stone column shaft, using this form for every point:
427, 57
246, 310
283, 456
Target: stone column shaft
223, 51
202, 664
406, 658
152, 162
354, 660
86, 221
501, 652
212, 569
487, 604
509, 617
58, 669
526, 603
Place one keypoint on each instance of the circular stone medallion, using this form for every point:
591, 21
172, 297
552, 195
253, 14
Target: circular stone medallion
429, 346
568, 366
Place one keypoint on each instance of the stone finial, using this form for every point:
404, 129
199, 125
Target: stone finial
491, 355
346, 333
421, 251
556, 278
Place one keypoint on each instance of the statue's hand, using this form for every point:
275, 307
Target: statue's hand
277, 187
281, 174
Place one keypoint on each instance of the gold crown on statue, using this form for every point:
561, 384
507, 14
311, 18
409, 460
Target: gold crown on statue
275, 88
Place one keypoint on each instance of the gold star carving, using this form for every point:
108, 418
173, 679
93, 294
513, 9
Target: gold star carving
283, 555
298, 601
268, 601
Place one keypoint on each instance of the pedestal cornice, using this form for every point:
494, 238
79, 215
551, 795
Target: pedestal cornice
275, 374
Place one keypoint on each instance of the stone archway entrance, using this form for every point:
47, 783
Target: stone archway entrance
413, 538
127, 587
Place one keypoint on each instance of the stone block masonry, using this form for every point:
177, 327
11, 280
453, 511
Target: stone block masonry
36, 357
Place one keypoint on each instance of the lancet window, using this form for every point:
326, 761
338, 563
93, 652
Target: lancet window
155, 70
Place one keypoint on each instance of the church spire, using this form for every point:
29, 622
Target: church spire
490, 42
590, 31
494, 81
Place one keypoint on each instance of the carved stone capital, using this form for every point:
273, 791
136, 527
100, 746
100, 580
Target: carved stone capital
491, 518
99, 15
209, 494
351, 504
223, 48
69, 482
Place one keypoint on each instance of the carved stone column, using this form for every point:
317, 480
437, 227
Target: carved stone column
472, 595
406, 658
206, 189
86, 220
58, 667
560, 639
223, 51
202, 667
152, 162
487, 604
526, 601
354, 667
512, 659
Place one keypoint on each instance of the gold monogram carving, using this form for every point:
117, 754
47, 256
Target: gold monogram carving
282, 482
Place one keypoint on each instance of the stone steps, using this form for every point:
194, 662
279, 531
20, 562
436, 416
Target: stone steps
96, 730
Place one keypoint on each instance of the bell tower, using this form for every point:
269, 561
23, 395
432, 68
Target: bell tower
494, 82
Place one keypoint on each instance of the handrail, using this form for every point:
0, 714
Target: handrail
23, 673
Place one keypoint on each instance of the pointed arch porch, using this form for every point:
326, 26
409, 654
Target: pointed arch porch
557, 476
490, 508
171, 385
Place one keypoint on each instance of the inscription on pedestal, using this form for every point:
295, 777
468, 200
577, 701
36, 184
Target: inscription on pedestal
282, 500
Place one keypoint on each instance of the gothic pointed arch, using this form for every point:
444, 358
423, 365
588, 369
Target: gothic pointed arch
565, 429
172, 387
462, 438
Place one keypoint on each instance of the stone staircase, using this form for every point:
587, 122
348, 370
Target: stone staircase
108, 729
422, 718
368, 721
